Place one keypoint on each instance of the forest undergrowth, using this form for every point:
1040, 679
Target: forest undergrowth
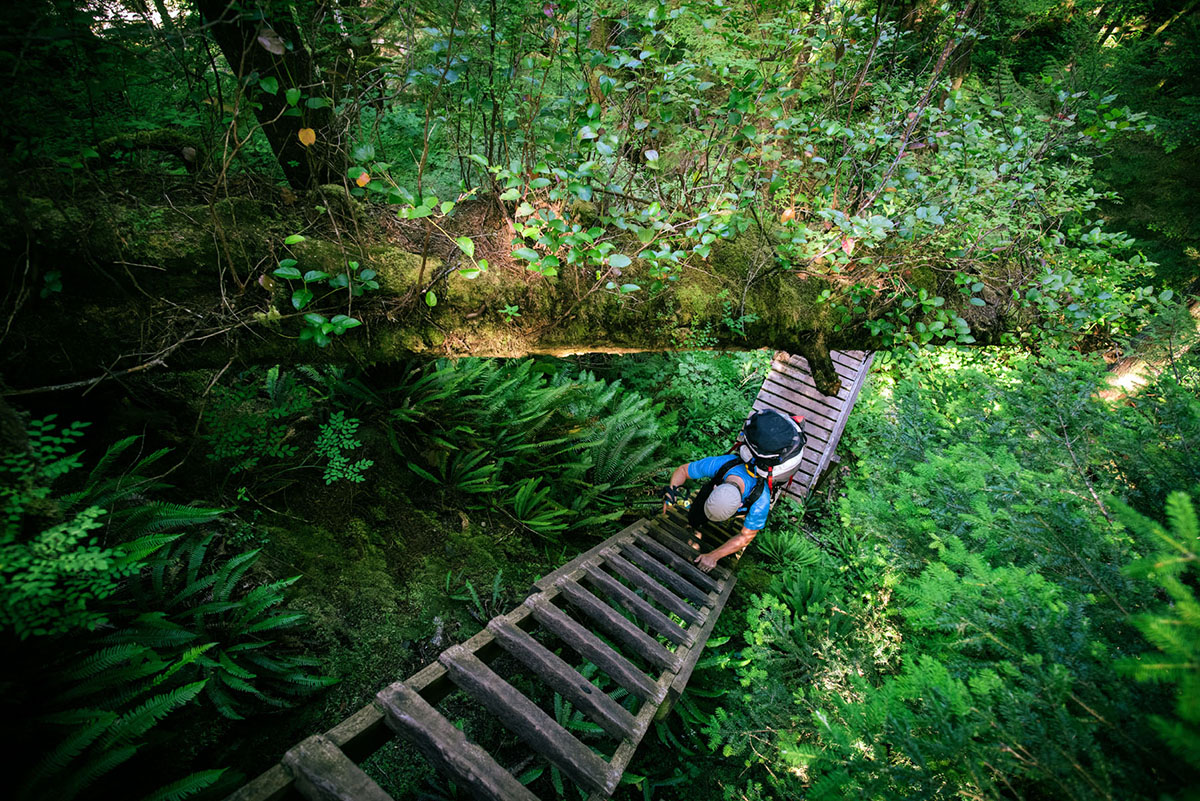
986, 598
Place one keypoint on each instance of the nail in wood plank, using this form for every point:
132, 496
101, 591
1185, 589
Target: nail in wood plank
523, 718
447, 747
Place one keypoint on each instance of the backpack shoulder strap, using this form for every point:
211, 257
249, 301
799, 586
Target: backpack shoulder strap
757, 492
725, 468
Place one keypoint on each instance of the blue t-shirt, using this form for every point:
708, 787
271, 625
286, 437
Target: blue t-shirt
756, 518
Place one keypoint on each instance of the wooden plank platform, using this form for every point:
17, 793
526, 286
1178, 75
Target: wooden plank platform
789, 388
616, 632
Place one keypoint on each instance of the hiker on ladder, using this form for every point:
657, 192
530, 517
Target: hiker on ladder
765, 457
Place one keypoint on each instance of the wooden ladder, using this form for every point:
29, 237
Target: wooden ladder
634, 606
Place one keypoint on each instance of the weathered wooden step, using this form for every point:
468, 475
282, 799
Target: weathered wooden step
640, 607
667, 599
666, 576
321, 772
523, 718
618, 627
589, 646
449, 750
680, 565
565, 680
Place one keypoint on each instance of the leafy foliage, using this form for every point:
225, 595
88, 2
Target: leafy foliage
333, 442
497, 429
117, 634
1174, 631
972, 630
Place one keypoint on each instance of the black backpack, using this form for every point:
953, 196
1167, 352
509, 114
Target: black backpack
773, 438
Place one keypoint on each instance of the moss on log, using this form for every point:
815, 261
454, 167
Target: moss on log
192, 285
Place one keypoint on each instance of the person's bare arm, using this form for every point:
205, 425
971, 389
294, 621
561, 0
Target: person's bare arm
708, 561
677, 478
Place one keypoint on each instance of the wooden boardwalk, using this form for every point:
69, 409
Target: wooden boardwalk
789, 388
616, 632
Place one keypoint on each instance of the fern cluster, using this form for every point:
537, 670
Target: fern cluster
555, 454
126, 616
249, 423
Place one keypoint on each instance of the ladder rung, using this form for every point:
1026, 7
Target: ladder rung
619, 627
686, 552
658, 592
683, 567
565, 680
523, 717
409, 714
636, 604
666, 576
589, 646
323, 773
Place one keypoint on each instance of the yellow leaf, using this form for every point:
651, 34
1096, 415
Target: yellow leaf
308, 137
363, 179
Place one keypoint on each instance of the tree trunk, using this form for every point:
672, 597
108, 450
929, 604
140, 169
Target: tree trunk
272, 48
1130, 374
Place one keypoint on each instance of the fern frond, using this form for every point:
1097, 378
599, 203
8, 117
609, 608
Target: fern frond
137, 722
186, 787
84, 775
92, 723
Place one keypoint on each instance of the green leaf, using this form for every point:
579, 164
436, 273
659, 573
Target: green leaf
447, 206
619, 260
341, 323
510, 194
363, 152
269, 85
315, 275
301, 298
430, 299
287, 272
466, 245
978, 302
293, 239
316, 102
529, 254
292, 96
630, 287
